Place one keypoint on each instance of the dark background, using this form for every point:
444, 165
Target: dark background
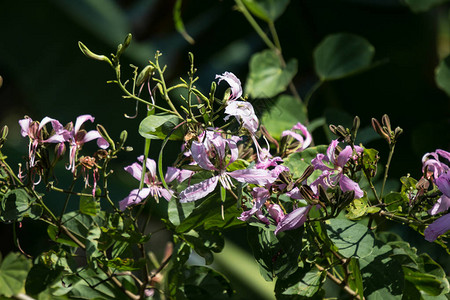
45, 74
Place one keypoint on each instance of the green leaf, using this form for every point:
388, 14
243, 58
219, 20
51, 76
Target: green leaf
283, 115
159, 126
355, 278
424, 282
207, 214
13, 273
352, 239
443, 75
298, 162
267, 10
342, 54
89, 205
205, 242
15, 205
92, 238
40, 277
305, 282
422, 5
267, 78
205, 283
277, 255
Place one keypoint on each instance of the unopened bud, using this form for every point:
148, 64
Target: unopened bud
355, 127
4, 132
144, 75
90, 54
377, 127
397, 132
386, 122
123, 137
105, 134
212, 91
127, 40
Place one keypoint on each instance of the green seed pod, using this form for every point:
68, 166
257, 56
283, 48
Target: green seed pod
90, 54
145, 74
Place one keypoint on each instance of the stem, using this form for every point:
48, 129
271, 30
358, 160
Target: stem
255, 25
339, 282
391, 153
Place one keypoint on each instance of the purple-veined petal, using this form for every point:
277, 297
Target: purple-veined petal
347, 184
135, 169
199, 154
276, 212
244, 113
89, 136
254, 176
344, 156
443, 153
293, 220
441, 205
437, 228
45, 121
25, 126
134, 197
234, 82
262, 217
443, 183
171, 174
199, 190
56, 138
319, 162
331, 151
102, 143
80, 120
260, 195
306, 134
165, 193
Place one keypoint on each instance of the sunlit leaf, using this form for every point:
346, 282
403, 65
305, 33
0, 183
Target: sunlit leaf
352, 239
159, 126
13, 273
422, 5
283, 114
342, 54
267, 77
443, 75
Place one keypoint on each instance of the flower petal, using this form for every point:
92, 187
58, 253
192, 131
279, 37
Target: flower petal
80, 120
347, 184
437, 228
293, 220
199, 154
254, 176
199, 190
135, 170
134, 197
234, 82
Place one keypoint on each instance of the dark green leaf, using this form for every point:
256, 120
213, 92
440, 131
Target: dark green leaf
305, 282
355, 278
267, 77
205, 283
352, 239
13, 273
267, 10
342, 54
15, 205
283, 115
443, 74
40, 277
205, 242
159, 126
298, 162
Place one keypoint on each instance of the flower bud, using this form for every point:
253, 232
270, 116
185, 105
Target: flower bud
127, 40
144, 75
4, 132
355, 127
90, 54
397, 132
377, 127
123, 137
105, 135
386, 123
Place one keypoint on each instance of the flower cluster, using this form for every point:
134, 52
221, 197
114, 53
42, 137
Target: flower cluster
72, 134
436, 169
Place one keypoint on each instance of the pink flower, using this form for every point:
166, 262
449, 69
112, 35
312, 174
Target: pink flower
33, 130
214, 147
332, 168
443, 203
234, 82
293, 220
79, 137
154, 186
260, 195
244, 113
432, 165
303, 138
437, 228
